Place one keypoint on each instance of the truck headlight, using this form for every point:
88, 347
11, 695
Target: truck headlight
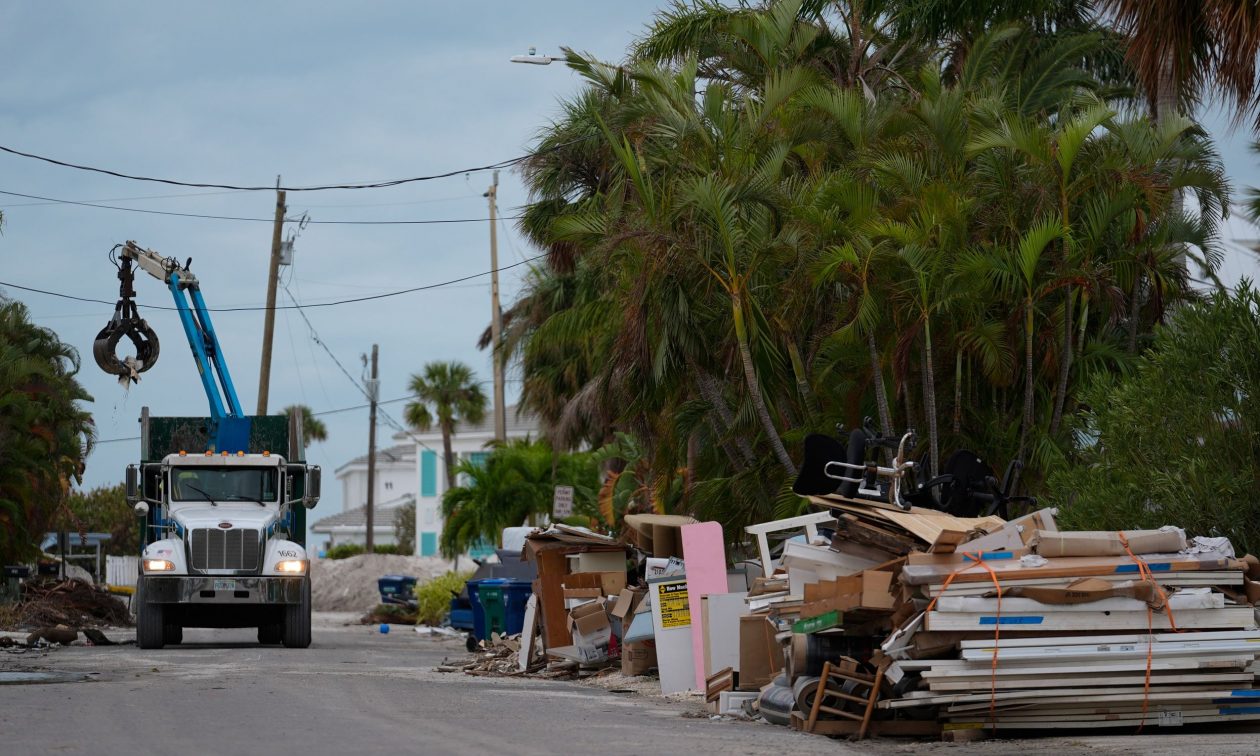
158, 565
297, 566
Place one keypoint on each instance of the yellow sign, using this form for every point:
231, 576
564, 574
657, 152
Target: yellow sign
675, 611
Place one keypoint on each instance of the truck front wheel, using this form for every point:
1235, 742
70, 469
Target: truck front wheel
149, 620
297, 619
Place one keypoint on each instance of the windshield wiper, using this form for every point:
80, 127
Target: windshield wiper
242, 497
213, 503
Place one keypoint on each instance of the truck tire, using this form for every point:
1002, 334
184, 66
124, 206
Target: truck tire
271, 633
297, 619
150, 630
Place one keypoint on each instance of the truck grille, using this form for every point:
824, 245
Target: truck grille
215, 549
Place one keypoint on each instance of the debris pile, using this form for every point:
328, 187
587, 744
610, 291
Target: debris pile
870, 618
71, 602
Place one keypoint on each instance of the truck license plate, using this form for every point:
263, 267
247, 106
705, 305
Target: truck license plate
225, 585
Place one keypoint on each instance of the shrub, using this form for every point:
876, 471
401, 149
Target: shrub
1176, 441
433, 599
343, 550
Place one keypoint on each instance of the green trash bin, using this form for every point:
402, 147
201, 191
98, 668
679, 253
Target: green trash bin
494, 607
498, 605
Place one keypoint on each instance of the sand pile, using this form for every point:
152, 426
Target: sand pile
349, 585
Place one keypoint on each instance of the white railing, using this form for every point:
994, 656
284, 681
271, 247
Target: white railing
121, 570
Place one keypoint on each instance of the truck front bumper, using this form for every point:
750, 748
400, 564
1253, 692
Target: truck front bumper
211, 589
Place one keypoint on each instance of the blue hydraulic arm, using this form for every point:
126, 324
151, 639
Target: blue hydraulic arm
229, 426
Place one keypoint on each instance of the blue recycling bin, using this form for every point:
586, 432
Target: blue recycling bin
397, 589
498, 605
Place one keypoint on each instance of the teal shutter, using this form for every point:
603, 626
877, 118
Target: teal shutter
478, 458
428, 473
428, 544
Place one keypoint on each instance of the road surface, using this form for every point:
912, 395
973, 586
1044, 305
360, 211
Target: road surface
356, 692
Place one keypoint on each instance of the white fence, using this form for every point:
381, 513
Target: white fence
121, 570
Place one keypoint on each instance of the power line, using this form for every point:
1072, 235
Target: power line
316, 188
313, 414
149, 211
294, 306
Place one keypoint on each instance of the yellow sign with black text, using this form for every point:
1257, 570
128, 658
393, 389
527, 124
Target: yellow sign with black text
672, 599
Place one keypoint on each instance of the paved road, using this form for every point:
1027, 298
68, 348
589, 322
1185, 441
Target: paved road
353, 692
356, 692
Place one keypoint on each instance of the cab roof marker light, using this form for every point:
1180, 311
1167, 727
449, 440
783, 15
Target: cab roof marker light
183, 453
240, 454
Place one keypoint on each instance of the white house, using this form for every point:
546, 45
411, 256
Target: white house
467, 443
396, 486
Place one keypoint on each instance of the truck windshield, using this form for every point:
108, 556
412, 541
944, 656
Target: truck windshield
257, 484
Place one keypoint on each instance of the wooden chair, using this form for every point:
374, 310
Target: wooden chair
829, 686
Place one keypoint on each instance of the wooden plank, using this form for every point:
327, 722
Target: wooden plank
1216, 695
1171, 580
1048, 696
1091, 640
1111, 651
1235, 617
856, 530
1077, 680
928, 574
1099, 667
929, 526
1129, 722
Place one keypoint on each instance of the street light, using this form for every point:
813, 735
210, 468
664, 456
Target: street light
538, 60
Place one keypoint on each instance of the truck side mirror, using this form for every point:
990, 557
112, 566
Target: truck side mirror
133, 483
312, 486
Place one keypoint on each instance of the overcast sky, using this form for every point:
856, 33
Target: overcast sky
238, 92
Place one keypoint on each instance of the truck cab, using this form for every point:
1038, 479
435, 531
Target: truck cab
223, 536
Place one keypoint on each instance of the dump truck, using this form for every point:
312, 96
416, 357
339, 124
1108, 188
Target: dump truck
221, 499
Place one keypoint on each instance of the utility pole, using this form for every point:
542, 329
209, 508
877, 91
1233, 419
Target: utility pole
264, 371
496, 318
373, 395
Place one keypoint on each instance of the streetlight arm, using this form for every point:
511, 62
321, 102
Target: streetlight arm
538, 60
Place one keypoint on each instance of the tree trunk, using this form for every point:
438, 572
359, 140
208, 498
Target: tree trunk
881, 394
813, 410
448, 457
754, 386
712, 393
911, 419
1065, 364
929, 400
958, 392
1134, 312
1028, 379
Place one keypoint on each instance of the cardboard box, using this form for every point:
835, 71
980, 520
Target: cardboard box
1106, 543
627, 602
760, 657
870, 591
588, 618
608, 583
656, 535
637, 658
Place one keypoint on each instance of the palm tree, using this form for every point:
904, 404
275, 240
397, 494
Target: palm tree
45, 434
1184, 51
313, 429
446, 393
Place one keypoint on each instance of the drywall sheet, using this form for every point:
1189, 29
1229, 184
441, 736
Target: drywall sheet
671, 619
721, 630
705, 547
